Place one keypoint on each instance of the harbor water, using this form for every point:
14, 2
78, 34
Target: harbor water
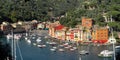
29, 51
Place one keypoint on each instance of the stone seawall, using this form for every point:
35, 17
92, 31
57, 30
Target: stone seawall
41, 32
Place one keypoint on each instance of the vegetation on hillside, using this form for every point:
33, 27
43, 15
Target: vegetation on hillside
101, 11
14, 10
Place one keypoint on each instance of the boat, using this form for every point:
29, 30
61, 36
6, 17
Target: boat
67, 47
72, 49
61, 45
41, 46
52, 43
66, 44
83, 52
38, 40
75, 48
28, 41
61, 50
34, 44
33, 37
117, 47
52, 49
105, 53
26, 38
9, 36
55, 47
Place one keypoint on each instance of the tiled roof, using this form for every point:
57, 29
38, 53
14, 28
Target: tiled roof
59, 27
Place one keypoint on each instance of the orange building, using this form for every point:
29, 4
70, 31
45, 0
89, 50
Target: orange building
87, 22
100, 35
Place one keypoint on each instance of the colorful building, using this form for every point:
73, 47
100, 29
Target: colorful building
60, 32
52, 27
87, 22
70, 35
100, 35
40, 26
52, 30
74, 34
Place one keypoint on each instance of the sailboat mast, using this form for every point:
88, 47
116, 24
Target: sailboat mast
114, 51
12, 44
14, 49
113, 45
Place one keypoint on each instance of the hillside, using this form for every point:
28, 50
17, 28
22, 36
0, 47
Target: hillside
103, 12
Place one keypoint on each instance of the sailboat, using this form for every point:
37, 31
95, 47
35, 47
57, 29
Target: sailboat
105, 53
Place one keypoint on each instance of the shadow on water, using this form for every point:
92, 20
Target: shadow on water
117, 54
5, 51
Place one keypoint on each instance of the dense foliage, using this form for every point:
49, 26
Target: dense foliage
33, 9
101, 11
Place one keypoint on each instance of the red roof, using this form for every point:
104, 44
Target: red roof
59, 27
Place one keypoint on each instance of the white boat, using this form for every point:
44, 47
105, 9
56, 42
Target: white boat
55, 47
117, 47
34, 44
52, 49
61, 45
61, 50
106, 53
26, 38
67, 47
41, 46
52, 43
72, 49
38, 40
33, 37
29, 41
83, 52
65, 44
75, 48
70, 46
9, 36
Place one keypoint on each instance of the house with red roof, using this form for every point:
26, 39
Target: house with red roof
60, 32
53, 27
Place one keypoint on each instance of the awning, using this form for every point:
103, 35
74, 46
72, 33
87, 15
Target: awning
99, 41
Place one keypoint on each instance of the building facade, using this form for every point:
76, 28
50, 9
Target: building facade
87, 22
100, 35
